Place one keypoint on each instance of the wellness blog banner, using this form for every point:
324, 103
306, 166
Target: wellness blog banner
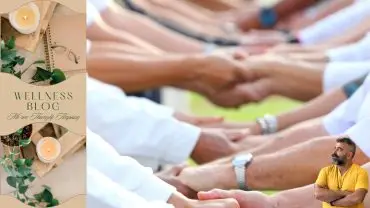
43, 99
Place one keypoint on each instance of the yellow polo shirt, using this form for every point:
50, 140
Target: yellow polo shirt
354, 178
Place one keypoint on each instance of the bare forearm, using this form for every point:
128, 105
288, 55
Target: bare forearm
184, 9
304, 78
315, 108
102, 47
150, 31
214, 5
134, 73
325, 10
100, 31
284, 169
327, 195
353, 35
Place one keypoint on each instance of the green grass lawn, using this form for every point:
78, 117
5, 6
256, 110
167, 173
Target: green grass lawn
274, 105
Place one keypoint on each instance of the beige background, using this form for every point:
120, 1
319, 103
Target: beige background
68, 180
10, 5
76, 107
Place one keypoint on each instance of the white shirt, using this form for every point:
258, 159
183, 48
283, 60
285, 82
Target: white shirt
119, 181
352, 118
100, 5
358, 51
337, 74
124, 170
103, 192
136, 127
336, 23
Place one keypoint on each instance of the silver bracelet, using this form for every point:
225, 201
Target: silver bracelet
263, 125
268, 124
272, 123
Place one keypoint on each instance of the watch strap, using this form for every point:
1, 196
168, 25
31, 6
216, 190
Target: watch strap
268, 17
240, 178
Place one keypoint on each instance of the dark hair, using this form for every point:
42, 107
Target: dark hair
350, 143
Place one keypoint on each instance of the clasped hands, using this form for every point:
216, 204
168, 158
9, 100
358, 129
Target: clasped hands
215, 198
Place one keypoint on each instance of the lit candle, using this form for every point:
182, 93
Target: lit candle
48, 149
25, 19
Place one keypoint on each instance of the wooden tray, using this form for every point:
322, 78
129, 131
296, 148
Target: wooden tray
70, 144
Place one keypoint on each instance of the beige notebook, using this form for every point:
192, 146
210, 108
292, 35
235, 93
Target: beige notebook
65, 42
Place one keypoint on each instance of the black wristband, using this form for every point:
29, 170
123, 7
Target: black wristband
350, 88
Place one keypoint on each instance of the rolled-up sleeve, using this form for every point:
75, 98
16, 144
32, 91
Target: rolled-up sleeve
354, 52
103, 192
137, 131
125, 171
360, 133
335, 24
337, 74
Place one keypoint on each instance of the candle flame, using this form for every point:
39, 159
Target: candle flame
25, 17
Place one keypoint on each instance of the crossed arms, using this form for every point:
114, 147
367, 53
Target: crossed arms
340, 198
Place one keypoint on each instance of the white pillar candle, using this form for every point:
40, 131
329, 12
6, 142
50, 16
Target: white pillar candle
25, 19
48, 149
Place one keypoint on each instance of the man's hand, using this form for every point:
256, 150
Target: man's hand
198, 121
170, 176
251, 199
217, 143
210, 176
216, 74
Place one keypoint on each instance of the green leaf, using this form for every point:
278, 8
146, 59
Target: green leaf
7, 70
38, 197
23, 189
8, 55
41, 75
19, 162
24, 171
2, 44
19, 131
28, 162
20, 60
18, 74
57, 76
53, 203
23, 200
39, 62
47, 196
12, 181
25, 142
31, 178
10, 43
31, 204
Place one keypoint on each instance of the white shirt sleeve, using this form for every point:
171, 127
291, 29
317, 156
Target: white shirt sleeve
100, 5
137, 131
103, 192
91, 14
144, 103
337, 74
348, 113
335, 24
125, 171
354, 52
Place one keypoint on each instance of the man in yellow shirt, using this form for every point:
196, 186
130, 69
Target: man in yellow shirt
342, 184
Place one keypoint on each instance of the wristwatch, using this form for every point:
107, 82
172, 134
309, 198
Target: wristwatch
240, 164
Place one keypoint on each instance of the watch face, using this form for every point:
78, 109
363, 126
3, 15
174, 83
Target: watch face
241, 160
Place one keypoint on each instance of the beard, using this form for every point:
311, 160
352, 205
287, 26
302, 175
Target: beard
341, 161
